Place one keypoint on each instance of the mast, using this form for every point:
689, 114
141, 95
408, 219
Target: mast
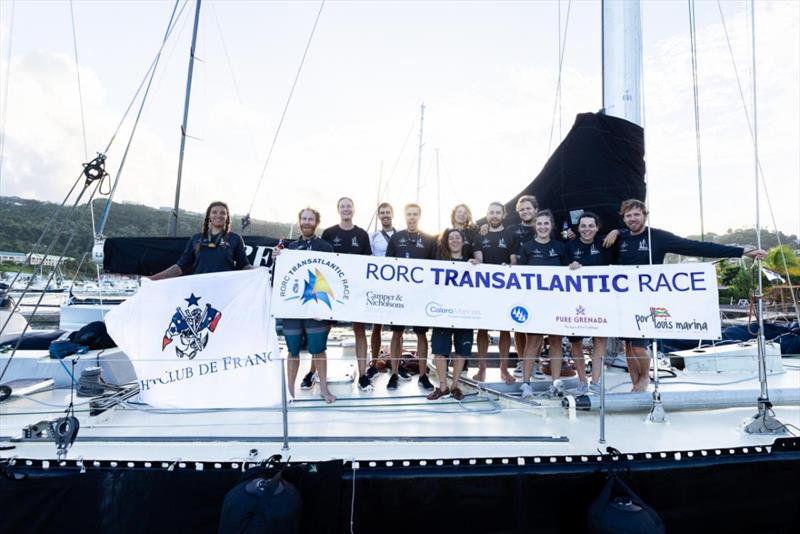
419, 153
764, 422
173, 220
622, 59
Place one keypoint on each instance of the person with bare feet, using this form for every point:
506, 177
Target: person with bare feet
497, 247
347, 238
588, 250
379, 241
314, 331
542, 250
637, 244
410, 243
451, 245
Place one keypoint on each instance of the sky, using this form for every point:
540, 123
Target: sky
486, 72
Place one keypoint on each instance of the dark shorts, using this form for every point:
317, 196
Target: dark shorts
575, 339
314, 332
417, 329
637, 342
443, 340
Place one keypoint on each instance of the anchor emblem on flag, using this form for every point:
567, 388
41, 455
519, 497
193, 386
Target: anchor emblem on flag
191, 327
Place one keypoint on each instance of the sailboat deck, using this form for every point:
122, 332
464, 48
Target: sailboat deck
398, 425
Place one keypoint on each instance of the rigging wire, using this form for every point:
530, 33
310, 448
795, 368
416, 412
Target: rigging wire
285, 109
758, 160
557, 100
78, 75
4, 114
693, 45
104, 216
76, 224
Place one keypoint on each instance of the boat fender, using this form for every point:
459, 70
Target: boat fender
261, 504
5, 392
619, 509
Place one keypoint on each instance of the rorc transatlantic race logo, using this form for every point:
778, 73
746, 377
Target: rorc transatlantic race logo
316, 280
582, 319
664, 321
190, 328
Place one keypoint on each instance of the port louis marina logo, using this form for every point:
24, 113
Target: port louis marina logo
663, 321
190, 328
316, 280
582, 319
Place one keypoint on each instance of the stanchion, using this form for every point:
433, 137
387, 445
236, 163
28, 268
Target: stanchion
284, 407
657, 413
603, 398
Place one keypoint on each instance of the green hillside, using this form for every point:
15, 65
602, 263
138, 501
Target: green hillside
24, 220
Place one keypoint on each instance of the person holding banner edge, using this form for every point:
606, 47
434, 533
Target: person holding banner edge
347, 238
443, 340
314, 330
215, 249
410, 243
637, 244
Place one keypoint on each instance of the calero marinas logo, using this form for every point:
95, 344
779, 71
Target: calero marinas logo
191, 327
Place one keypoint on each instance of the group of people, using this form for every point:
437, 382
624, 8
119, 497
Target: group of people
532, 241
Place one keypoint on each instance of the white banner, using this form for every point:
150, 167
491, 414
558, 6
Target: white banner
660, 301
202, 341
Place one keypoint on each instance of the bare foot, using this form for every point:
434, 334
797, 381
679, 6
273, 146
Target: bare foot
507, 377
480, 376
327, 396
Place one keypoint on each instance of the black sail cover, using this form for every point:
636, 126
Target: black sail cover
149, 255
599, 164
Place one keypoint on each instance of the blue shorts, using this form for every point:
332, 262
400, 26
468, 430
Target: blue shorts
315, 333
417, 329
637, 342
443, 340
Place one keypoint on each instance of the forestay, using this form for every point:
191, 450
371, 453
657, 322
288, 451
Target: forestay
202, 341
658, 301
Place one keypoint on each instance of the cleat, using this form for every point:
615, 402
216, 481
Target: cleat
526, 391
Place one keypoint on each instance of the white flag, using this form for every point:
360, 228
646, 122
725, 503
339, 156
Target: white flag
202, 341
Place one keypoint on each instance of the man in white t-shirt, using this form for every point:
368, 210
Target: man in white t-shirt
379, 240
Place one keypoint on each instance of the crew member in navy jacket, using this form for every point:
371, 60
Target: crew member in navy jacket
215, 249
633, 246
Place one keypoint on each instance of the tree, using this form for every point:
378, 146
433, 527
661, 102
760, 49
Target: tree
778, 255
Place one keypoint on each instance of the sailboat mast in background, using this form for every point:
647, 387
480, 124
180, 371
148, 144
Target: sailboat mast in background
173, 219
